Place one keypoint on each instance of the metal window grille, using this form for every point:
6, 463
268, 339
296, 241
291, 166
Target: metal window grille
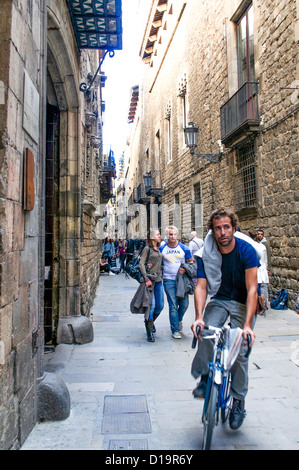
245, 177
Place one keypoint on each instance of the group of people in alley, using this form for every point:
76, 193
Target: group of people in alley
228, 275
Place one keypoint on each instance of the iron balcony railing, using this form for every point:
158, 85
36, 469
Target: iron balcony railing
141, 194
153, 183
240, 113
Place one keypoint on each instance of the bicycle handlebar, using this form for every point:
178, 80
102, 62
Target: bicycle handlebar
198, 330
249, 348
206, 327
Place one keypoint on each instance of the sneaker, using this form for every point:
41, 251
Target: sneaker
200, 390
176, 335
111, 273
237, 414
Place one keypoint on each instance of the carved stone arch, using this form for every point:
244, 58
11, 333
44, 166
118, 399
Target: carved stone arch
62, 65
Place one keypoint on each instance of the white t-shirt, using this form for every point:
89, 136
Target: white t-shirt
172, 259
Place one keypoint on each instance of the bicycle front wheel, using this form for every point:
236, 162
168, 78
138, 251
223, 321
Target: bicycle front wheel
210, 416
225, 399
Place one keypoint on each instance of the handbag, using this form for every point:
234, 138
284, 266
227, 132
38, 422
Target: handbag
280, 300
132, 268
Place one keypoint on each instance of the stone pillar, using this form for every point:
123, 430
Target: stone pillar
72, 327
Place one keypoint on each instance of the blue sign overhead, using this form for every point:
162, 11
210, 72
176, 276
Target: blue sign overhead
97, 23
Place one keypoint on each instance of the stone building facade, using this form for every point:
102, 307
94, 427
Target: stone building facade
230, 67
52, 185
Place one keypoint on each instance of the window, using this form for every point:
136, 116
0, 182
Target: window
196, 211
183, 120
168, 133
183, 112
157, 151
245, 177
245, 44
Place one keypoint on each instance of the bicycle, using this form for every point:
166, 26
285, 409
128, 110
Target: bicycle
217, 398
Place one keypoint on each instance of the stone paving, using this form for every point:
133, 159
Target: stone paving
127, 393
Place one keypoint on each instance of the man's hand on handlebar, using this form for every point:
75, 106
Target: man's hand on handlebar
247, 331
194, 327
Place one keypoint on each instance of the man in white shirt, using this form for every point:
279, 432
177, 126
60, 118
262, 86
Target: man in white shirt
195, 243
174, 253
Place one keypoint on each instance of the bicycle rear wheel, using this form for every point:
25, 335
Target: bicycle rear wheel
210, 417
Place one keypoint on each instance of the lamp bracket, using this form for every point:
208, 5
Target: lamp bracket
212, 157
83, 86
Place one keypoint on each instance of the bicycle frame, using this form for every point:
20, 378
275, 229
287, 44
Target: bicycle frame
217, 396
217, 373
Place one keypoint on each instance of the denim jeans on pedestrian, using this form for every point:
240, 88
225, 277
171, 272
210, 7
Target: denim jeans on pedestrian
157, 304
177, 307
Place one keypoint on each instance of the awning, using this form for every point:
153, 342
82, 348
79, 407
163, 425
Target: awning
97, 23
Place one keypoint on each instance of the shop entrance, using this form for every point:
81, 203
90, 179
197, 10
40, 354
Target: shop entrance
51, 225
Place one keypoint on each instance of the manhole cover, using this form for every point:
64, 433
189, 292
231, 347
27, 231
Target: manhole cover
127, 423
126, 414
125, 404
128, 444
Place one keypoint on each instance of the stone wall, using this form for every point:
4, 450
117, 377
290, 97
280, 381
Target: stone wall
90, 265
37, 43
21, 49
195, 53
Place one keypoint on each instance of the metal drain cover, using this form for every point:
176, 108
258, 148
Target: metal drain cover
125, 404
128, 444
126, 414
127, 423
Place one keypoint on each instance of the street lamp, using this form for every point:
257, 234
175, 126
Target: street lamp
191, 138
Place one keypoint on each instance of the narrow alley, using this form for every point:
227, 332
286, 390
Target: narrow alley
128, 394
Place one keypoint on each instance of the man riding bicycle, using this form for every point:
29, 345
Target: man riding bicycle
227, 270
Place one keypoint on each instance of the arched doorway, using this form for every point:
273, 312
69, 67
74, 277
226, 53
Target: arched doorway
63, 322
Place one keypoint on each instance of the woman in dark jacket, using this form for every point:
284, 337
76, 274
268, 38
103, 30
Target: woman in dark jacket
151, 268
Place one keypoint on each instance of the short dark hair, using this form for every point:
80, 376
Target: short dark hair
253, 234
223, 212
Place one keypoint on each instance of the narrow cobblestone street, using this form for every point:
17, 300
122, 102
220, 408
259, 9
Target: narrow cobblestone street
127, 393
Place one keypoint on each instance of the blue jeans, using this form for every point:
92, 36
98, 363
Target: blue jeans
157, 304
177, 307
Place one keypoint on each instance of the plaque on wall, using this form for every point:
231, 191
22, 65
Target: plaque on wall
31, 109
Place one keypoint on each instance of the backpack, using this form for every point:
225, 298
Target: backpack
132, 268
280, 300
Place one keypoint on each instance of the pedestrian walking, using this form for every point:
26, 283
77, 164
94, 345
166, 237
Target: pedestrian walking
130, 249
122, 247
195, 243
262, 274
151, 268
108, 250
174, 254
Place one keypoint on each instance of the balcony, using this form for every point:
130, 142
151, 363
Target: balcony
133, 198
142, 197
153, 183
239, 116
